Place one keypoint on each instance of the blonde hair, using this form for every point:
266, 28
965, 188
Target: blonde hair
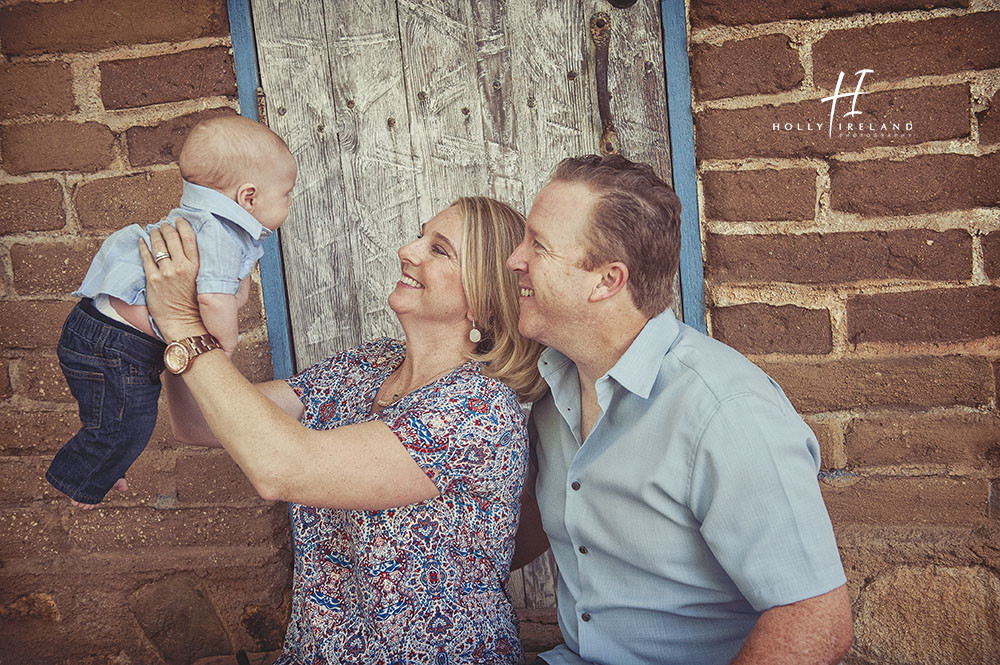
491, 231
226, 151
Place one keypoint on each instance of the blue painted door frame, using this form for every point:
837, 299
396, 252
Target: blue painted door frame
678, 80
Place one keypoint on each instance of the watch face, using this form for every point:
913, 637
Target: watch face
176, 357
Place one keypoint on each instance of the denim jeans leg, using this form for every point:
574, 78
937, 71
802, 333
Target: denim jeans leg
114, 376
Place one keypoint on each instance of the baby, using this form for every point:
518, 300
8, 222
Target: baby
238, 178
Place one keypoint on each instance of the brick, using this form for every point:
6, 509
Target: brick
912, 382
930, 615
161, 144
39, 378
31, 206
908, 502
56, 146
137, 82
830, 258
51, 268
32, 323
5, 388
971, 441
35, 88
803, 128
991, 254
254, 361
211, 477
914, 186
711, 12
23, 481
109, 204
179, 619
91, 25
989, 121
251, 315
760, 328
830, 439
940, 315
31, 534
121, 529
25, 432
909, 48
764, 195
757, 66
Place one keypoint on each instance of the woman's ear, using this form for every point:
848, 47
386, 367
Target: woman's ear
246, 196
614, 277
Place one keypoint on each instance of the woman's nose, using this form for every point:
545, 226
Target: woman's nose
408, 252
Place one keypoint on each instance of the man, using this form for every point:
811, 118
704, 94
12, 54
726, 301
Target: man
676, 484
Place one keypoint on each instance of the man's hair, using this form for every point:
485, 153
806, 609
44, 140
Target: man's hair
491, 231
229, 150
636, 221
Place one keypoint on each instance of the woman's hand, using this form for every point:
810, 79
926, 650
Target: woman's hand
171, 293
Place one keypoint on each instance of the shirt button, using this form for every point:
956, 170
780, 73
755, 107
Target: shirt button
575, 485
583, 549
585, 616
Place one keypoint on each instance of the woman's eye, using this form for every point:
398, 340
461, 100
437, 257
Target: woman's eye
438, 249
537, 245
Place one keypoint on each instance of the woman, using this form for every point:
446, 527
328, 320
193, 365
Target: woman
406, 476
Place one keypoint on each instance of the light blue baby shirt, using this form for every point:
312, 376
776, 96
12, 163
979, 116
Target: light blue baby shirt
229, 244
692, 506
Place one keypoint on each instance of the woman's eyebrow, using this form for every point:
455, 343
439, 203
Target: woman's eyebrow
443, 238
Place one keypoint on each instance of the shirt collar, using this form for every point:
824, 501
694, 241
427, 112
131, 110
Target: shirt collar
638, 367
217, 203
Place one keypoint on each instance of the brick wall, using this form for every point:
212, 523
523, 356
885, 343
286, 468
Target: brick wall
862, 271
95, 98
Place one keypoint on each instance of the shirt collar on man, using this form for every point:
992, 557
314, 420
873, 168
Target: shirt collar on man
638, 367
636, 370
217, 203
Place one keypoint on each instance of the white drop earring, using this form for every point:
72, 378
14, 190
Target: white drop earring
474, 334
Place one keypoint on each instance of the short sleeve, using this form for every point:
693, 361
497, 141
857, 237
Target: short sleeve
754, 489
328, 377
220, 259
467, 437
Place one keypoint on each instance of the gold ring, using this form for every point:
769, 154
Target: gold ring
159, 256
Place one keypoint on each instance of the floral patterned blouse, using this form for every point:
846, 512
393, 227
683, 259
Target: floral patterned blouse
425, 583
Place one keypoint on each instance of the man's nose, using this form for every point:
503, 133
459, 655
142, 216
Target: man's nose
514, 262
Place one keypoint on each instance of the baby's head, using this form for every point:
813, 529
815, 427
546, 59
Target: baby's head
244, 160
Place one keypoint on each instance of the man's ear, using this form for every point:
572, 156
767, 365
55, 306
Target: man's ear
246, 196
614, 277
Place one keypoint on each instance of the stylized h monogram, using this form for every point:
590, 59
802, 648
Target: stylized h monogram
837, 95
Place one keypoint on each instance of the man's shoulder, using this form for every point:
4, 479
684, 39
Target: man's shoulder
706, 368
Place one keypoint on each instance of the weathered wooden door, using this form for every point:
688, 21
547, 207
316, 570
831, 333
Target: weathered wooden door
393, 108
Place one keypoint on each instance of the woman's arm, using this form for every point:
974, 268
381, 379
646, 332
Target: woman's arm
361, 466
188, 423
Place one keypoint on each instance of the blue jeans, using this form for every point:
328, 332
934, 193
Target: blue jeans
113, 371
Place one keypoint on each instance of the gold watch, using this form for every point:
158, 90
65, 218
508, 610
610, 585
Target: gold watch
179, 353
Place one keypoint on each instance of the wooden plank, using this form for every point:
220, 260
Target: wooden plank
322, 286
444, 101
692, 278
638, 102
379, 167
279, 330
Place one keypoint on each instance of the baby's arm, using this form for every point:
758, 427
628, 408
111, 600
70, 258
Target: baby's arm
218, 312
243, 295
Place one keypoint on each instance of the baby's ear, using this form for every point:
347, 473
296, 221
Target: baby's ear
246, 196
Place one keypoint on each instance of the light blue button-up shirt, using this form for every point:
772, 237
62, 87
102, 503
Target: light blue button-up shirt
229, 244
692, 506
